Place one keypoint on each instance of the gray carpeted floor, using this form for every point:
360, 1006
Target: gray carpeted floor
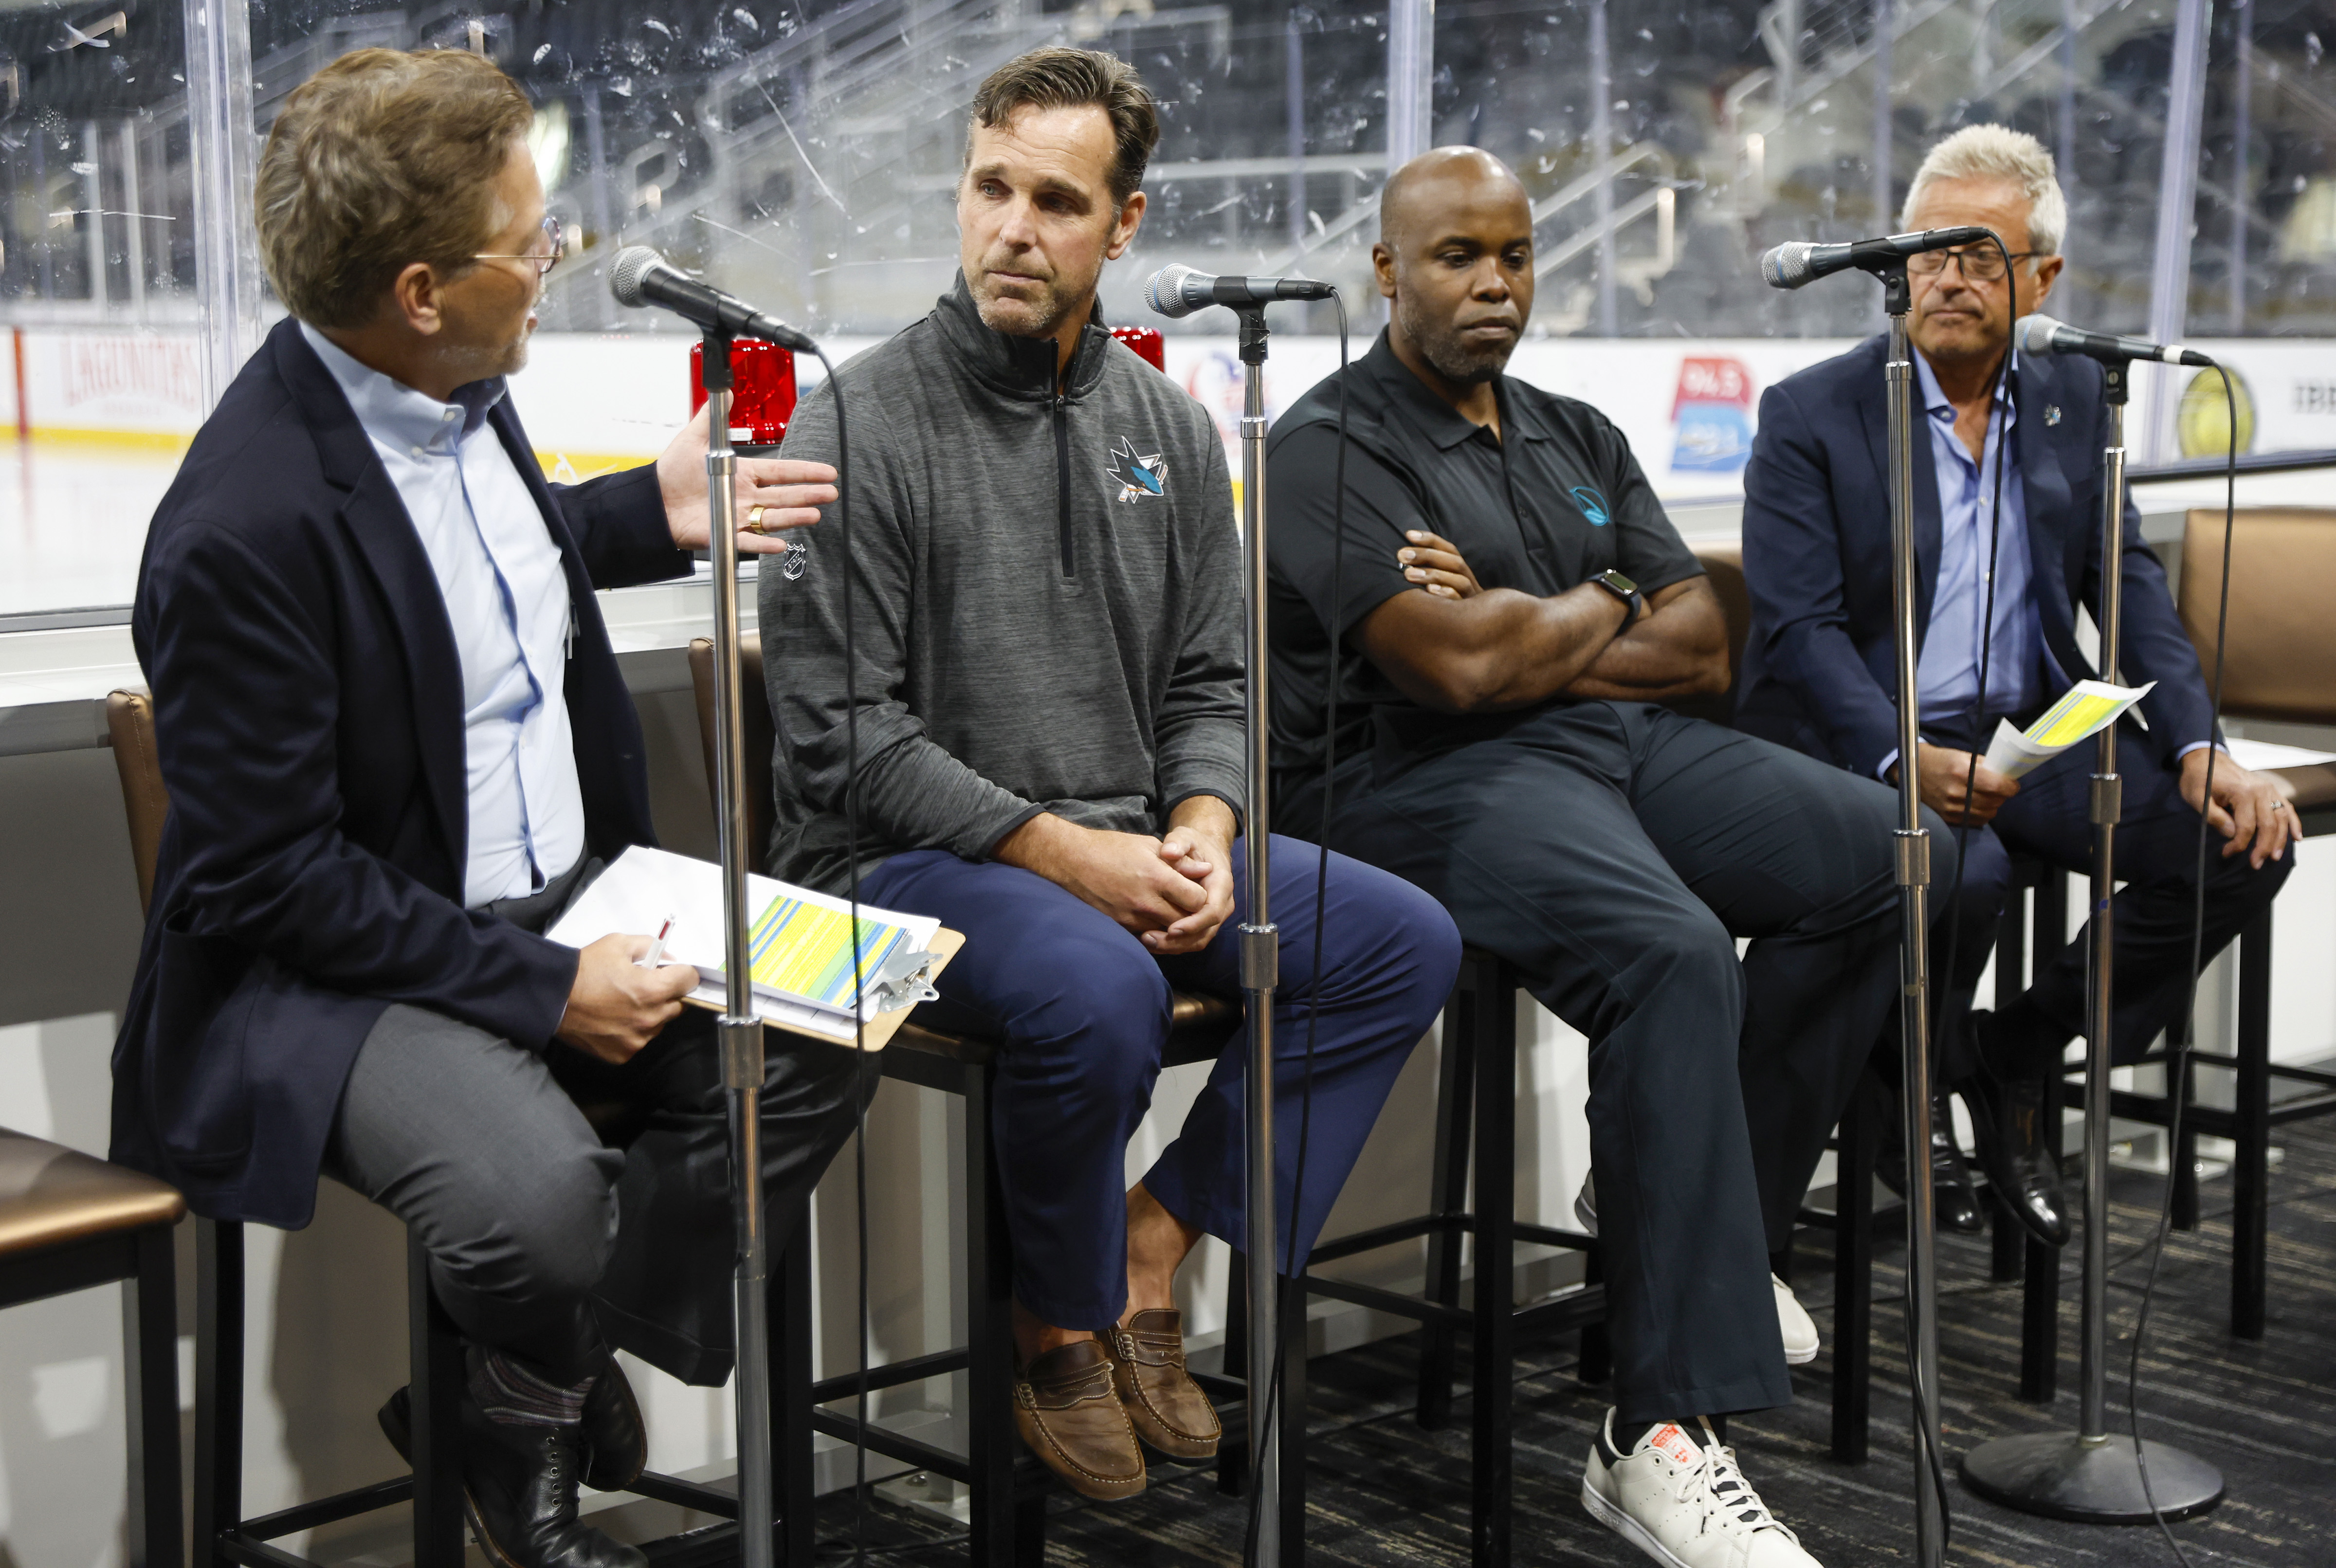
1384, 1493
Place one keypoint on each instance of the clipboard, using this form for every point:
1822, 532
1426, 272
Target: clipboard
877, 1032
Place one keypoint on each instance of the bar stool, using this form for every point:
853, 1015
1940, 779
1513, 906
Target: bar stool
433, 1486
2279, 665
1009, 1488
68, 1222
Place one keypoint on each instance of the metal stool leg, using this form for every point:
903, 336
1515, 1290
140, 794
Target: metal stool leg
1495, 1317
1448, 1195
990, 1443
218, 1387
2251, 1165
149, 1341
2039, 1321
437, 1389
796, 1484
1290, 1419
1233, 1452
1852, 1269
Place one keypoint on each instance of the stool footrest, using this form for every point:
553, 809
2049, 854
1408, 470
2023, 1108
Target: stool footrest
683, 1493
894, 1445
892, 1375
327, 1510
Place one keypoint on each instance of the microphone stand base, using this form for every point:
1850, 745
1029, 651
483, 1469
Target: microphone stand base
2090, 1480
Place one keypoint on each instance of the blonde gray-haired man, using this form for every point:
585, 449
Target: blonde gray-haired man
396, 741
1818, 665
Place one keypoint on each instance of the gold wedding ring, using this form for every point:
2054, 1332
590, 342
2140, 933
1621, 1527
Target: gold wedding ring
754, 519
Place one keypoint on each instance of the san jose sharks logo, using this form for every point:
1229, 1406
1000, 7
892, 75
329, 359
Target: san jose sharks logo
1592, 505
1137, 477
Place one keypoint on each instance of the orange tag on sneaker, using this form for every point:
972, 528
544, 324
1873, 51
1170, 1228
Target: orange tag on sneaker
1672, 1441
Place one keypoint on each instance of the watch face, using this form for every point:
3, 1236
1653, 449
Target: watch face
1618, 582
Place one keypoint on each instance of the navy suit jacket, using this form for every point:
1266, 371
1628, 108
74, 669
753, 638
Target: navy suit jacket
308, 713
1819, 671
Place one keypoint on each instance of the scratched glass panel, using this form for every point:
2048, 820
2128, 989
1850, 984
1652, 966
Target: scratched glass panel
1667, 145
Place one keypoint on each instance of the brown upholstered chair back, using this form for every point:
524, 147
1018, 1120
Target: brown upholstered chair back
129, 721
2280, 650
761, 734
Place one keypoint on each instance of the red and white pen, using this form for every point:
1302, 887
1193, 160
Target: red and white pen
656, 955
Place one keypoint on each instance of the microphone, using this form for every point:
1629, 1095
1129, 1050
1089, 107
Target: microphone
2042, 335
640, 276
1798, 261
1178, 290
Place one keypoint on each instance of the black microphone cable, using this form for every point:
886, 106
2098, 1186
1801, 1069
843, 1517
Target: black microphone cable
859, 979
2177, 1049
1292, 1269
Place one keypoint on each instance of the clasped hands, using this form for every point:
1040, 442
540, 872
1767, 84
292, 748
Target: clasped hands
1173, 892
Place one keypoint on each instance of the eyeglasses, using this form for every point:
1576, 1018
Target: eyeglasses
1980, 263
555, 247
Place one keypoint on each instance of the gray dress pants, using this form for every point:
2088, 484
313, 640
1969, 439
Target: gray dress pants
542, 1238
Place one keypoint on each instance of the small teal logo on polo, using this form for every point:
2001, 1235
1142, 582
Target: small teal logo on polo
1592, 504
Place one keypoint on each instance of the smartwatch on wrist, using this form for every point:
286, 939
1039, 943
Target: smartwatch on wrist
1623, 589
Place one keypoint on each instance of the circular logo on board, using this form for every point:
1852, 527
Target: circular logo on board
2203, 421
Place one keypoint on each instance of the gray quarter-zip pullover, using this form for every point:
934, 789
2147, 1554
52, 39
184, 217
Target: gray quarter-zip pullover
1049, 608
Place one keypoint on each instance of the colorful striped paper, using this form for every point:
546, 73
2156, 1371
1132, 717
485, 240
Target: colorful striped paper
804, 950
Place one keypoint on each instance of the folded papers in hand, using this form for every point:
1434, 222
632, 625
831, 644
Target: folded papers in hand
799, 944
2087, 708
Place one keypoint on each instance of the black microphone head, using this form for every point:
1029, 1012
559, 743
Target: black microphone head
1164, 291
2034, 333
1786, 265
633, 263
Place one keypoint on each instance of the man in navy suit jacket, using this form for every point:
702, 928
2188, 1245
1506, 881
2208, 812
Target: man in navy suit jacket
396, 740
1819, 669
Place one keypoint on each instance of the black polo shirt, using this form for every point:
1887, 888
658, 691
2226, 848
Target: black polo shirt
1549, 503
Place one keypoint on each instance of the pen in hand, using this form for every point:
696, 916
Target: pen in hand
656, 955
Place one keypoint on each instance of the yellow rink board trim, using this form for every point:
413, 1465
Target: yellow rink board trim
581, 465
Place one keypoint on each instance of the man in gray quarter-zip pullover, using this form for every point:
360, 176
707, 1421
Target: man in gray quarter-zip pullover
1047, 613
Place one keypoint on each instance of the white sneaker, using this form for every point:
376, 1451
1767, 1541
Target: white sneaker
1684, 1501
1793, 1321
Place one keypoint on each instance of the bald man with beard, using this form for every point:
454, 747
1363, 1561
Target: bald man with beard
1512, 609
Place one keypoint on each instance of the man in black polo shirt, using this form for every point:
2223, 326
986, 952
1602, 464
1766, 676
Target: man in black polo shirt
1511, 605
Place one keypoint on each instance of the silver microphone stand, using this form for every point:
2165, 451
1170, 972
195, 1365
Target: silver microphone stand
1261, 960
2090, 1475
740, 1031
1913, 846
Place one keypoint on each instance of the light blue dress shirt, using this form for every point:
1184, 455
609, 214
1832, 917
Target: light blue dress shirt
507, 599
2017, 664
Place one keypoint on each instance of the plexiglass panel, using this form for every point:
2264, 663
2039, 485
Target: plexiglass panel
804, 153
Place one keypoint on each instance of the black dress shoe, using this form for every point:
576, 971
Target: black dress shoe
520, 1492
519, 1488
615, 1442
2019, 1151
1954, 1190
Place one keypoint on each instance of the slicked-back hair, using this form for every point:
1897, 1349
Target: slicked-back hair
1056, 77
1998, 152
381, 159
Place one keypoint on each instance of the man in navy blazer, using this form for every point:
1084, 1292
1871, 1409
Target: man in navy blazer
396, 741
1819, 671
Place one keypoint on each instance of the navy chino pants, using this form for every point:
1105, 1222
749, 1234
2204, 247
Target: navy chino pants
2156, 860
1083, 1008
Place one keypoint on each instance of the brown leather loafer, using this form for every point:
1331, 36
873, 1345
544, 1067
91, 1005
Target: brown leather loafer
1163, 1404
1067, 1410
